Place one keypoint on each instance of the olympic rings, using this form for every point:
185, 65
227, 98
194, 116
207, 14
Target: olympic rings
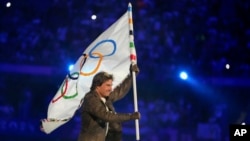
75, 75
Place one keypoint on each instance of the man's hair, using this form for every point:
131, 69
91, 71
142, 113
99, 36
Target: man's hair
100, 78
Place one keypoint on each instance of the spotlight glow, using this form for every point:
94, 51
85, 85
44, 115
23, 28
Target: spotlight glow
71, 67
183, 75
8, 4
93, 17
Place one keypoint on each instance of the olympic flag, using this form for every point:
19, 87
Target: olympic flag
112, 51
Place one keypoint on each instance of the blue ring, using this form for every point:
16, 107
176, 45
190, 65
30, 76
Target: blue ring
103, 41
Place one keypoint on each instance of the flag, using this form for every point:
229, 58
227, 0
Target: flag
109, 52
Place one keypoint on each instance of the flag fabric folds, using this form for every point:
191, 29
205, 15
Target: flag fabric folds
109, 52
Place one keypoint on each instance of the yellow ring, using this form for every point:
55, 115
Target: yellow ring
97, 67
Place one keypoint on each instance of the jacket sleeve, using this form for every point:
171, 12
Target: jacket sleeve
122, 89
96, 108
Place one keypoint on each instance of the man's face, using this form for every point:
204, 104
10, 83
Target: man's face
105, 89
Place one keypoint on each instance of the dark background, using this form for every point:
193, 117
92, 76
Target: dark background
39, 39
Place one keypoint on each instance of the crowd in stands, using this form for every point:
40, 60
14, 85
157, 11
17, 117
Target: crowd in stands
199, 35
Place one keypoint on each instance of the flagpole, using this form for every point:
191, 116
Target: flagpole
133, 61
136, 107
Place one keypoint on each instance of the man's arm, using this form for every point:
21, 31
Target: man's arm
97, 108
122, 89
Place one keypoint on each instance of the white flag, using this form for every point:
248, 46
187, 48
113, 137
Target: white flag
110, 52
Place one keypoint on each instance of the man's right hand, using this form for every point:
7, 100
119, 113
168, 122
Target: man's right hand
135, 68
135, 115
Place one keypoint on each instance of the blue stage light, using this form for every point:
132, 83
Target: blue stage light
183, 75
70, 67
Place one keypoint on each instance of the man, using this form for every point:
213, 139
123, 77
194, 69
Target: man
98, 113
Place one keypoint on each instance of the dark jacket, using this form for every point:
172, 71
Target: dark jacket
95, 115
